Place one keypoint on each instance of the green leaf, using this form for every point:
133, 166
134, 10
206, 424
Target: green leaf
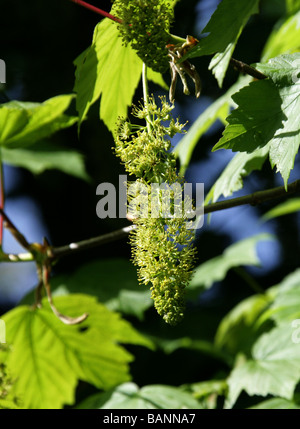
24, 123
240, 253
8, 405
157, 78
267, 114
206, 347
290, 206
238, 330
239, 167
112, 281
284, 39
292, 6
276, 404
205, 388
273, 370
207, 392
219, 109
225, 27
107, 69
130, 396
255, 121
49, 358
44, 156
286, 305
284, 72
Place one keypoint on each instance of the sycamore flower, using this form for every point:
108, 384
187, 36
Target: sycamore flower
161, 244
145, 24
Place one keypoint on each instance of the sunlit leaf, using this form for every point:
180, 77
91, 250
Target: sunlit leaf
113, 281
219, 109
130, 396
8, 405
268, 114
290, 206
204, 388
224, 28
276, 404
240, 253
107, 69
157, 78
273, 370
208, 392
285, 38
238, 331
24, 123
252, 316
239, 167
49, 358
286, 305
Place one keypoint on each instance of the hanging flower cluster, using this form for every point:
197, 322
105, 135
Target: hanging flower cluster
162, 246
145, 24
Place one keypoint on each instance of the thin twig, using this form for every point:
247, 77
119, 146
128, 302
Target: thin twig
12, 257
58, 252
45, 270
14, 230
146, 97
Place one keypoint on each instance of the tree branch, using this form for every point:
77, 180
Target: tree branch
253, 199
58, 252
245, 68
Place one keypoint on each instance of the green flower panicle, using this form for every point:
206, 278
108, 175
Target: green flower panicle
145, 24
146, 155
162, 247
162, 263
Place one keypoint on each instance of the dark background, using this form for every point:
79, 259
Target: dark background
39, 40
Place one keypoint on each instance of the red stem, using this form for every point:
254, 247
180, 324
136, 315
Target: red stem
97, 10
